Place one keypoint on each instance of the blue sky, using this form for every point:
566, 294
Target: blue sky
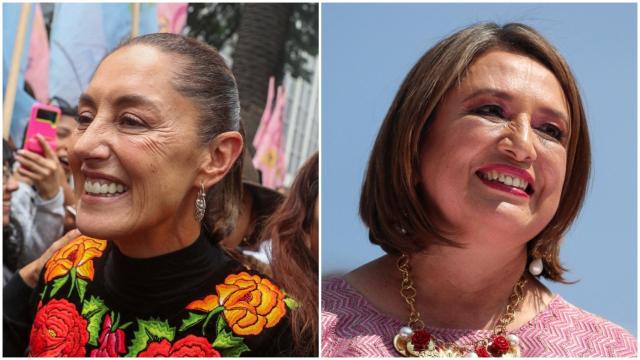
367, 49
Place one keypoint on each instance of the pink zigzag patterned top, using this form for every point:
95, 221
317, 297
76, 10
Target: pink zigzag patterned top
351, 327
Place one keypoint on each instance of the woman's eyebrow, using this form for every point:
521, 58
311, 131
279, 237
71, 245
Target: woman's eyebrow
136, 100
489, 92
122, 101
86, 99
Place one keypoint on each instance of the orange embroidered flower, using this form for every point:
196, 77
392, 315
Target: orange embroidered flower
207, 304
79, 253
250, 303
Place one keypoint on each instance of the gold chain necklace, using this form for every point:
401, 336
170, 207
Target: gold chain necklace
414, 341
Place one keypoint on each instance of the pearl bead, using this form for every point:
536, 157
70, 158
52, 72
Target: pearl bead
535, 267
406, 332
471, 354
513, 340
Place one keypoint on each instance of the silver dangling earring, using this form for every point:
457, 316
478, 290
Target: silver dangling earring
201, 203
536, 266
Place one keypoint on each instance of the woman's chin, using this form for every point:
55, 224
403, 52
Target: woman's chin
98, 227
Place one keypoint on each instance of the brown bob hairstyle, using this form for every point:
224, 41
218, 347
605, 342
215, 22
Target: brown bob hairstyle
395, 208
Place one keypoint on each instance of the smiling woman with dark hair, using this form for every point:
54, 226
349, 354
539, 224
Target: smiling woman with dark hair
478, 170
158, 138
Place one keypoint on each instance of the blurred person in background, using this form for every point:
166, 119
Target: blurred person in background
245, 243
64, 139
36, 205
293, 230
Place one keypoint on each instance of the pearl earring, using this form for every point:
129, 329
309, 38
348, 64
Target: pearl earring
536, 266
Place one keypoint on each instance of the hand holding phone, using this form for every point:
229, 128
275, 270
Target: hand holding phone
43, 171
44, 120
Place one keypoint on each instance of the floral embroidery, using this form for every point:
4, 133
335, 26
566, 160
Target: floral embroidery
112, 343
249, 303
245, 304
73, 262
78, 254
58, 330
189, 346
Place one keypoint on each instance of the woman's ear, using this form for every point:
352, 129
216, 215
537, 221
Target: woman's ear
222, 153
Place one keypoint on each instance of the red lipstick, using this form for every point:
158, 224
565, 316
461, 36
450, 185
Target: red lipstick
512, 171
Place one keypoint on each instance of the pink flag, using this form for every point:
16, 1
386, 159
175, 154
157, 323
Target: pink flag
266, 115
37, 73
172, 17
269, 157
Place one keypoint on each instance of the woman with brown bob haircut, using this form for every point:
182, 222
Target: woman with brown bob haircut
479, 168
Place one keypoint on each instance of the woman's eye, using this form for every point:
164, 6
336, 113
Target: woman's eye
552, 131
84, 120
489, 110
131, 121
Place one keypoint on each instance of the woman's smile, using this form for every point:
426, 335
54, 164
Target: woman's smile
506, 178
504, 129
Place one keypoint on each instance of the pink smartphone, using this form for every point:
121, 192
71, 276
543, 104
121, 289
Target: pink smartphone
43, 121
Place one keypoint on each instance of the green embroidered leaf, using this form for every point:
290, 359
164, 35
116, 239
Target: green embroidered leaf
44, 291
125, 325
73, 280
221, 324
93, 310
57, 284
82, 288
209, 316
235, 351
226, 340
291, 303
149, 330
191, 321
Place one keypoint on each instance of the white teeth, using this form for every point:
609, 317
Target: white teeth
506, 179
102, 187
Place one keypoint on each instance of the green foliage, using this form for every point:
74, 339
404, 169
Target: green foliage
291, 303
222, 323
82, 288
93, 310
226, 340
213, 23
234, 352
217, 23
57, 284
148, 331
191, 321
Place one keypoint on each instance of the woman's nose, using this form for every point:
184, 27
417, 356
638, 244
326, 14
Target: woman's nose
12, 183
518, 142
92, 142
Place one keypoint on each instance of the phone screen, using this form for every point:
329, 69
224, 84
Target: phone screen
47, 115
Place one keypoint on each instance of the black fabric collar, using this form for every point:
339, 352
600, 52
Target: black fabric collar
163, 281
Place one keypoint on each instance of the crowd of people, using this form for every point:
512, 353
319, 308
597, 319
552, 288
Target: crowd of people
172, 247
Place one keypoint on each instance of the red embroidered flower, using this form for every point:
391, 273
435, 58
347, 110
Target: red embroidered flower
157, 349
420, 340
189, 346
481, 351
58, 330
499, 345
111, 343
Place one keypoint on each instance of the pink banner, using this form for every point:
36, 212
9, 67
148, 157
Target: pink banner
37, 73
269, 157
172, 17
